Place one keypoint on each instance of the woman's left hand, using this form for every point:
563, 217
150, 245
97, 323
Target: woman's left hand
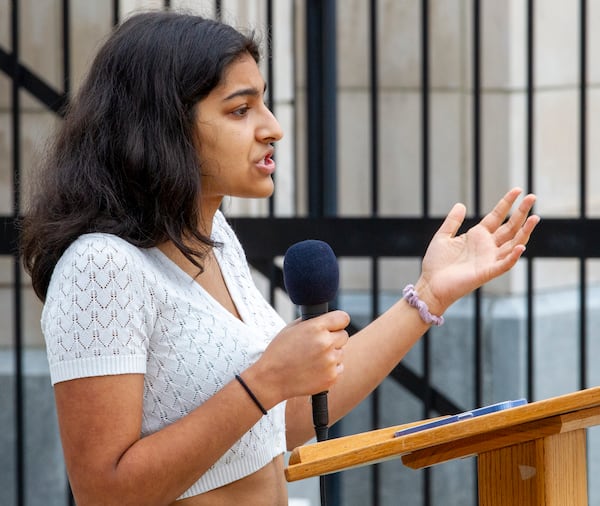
454, 266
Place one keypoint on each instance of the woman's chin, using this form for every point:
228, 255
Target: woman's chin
265, 191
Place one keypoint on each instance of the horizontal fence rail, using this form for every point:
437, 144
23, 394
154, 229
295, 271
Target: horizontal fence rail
379, 237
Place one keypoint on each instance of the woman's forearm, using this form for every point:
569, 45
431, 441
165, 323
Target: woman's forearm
369, 357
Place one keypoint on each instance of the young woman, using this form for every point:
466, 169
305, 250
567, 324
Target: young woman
174, 379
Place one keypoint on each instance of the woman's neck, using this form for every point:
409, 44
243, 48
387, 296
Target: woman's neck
208, 208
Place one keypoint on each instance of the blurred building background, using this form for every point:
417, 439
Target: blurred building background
393, 111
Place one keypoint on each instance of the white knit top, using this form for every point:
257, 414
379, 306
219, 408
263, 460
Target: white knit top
113, 308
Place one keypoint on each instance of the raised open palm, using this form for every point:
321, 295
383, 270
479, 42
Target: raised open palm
454, 266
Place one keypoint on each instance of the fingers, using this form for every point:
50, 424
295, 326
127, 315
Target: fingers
340, 339
309, 351
512, 250
330, 345
494, 219
524, 232
520, 225
332, 327
339, 356
334, 320
516, 231
507, 262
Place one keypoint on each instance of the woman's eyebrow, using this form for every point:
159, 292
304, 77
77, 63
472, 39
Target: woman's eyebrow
253, 92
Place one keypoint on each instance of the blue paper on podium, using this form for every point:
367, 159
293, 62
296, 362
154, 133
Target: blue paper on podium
467, 415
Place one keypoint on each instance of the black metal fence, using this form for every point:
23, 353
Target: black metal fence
370, 237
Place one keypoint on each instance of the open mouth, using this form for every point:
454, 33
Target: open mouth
267, 164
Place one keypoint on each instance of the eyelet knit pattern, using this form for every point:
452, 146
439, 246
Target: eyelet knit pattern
113, 308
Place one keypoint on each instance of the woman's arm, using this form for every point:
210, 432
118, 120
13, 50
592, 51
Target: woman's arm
100, 420
453, 266
107, 462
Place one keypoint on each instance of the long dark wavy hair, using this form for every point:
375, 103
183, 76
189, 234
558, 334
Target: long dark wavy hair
125, 161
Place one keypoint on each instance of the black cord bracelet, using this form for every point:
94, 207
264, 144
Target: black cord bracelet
251, 394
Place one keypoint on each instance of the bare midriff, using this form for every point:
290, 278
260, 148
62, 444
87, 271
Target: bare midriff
266, 486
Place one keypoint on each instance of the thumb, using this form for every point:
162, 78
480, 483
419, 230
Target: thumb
453, 221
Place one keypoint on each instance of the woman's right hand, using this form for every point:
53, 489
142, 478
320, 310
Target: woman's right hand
305, 358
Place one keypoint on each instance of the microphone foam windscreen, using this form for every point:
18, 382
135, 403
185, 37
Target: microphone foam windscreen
310, 273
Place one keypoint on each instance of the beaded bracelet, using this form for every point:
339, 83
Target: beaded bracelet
412, 297
251, 394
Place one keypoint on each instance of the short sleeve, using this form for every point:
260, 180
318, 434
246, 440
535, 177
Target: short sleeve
95, 319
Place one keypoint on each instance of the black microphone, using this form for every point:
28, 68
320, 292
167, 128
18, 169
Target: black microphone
311, 277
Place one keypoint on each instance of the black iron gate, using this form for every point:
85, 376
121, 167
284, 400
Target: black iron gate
371, 237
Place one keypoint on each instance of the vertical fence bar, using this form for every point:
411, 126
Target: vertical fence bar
582, 188
295, 60
425, 105
116, 10
477, 183
374, 134
270, 83
477, 320
66, 49
271, 105
19, 390
66, 63
321, 82
294, 140
321, 125
530, 110
374, 104
425, 146
477, 107
583, 306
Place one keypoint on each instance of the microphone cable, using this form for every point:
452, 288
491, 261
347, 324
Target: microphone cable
322, 433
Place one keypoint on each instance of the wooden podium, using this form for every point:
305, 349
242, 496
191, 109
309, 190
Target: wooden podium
533, 454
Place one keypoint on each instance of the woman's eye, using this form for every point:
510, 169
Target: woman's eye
242, 111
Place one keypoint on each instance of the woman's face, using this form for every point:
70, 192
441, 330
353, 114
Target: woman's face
235, 132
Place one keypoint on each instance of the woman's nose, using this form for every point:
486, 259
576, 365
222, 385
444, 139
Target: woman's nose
271, 130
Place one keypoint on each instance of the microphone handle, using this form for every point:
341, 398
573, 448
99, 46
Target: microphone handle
320, 411
308, 311
320, 414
